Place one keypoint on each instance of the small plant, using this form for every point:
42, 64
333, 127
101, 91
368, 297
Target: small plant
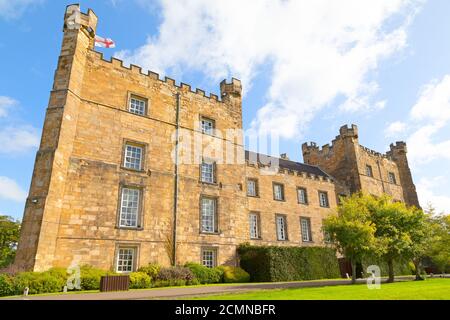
204, 274
175, 273
152, 270
139, 280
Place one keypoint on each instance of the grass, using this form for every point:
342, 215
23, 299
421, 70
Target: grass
430, 289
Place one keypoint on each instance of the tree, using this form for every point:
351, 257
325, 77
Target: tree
439, 248
351, 230
9, 237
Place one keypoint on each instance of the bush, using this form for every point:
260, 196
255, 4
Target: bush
169, 283
37, 282
204, 274
6, 285
401, 267
152, 269
271, 263
173, 274
234, 274
90, 277
140, 280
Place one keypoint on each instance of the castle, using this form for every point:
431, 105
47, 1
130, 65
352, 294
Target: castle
110, 190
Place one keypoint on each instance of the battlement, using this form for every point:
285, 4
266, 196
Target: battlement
375, 153
87, 20
345, 131
398, 148
234, 88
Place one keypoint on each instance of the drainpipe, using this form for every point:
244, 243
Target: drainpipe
175, 193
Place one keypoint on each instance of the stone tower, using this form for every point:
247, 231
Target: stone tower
361, 168
43, 205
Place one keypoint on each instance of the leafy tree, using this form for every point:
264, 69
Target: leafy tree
9, 237
351, 230
439, 248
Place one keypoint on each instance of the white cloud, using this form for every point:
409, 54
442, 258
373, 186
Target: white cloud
5, 104
12, 9
395, 129
17, 139
10, 190
428, 192
319, 50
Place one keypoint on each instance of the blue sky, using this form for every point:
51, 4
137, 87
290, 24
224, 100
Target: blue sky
307, 68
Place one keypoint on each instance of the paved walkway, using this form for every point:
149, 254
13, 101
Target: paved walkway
174, 293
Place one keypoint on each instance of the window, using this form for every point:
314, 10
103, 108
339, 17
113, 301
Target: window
129, 207
369, 172
125, 260
278, 191
209, 257
208, 215
254, 226
133, 157
302, 196
252, 187
207, 126
281, 228
392, 178
323, 199
305, 224
208, 172
138, 105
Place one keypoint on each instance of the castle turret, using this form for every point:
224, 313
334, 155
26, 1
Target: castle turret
398, 153
43, 206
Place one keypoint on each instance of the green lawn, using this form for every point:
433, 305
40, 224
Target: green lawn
430, 289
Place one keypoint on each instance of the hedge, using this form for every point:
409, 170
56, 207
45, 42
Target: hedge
234, 274
151, 269
204, 274
271, 263
140, 280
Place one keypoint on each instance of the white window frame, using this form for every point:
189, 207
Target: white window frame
208, 220
209, 257
129, 265
207, 125
324, 202
280, 187
127, 211
305, 227
392, 178
131, 160
281, 227
301, 190
137, 106
255, 188
254, 225
207, 172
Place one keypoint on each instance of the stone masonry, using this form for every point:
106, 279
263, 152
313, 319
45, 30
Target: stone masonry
72, 213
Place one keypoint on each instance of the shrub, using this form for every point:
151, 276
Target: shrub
6, 285
152, 269
205, 274
139, 280
37, 282
60, 273
271, 263
234, 274
90, 277
175, 273
169, 283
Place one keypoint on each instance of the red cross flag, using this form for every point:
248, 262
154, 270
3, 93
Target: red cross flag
104, 43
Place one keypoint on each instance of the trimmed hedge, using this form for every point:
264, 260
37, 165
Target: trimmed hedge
234, 274
271, 263
6, 285
204, 274
90, 277
37, 282
140, 280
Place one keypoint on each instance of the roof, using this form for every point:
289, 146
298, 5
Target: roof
286, 164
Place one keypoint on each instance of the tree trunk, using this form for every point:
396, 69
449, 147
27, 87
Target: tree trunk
353, 263
417, 266
391, 270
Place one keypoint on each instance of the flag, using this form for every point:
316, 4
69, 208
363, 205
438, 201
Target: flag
104, 43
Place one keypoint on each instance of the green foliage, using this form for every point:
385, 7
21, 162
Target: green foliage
439, 247
9, 237
152, 269
402, 267
37, 282
6, 285
271, 263
234, 274
90, 277
139, 280
204, 274
174, 274
169, 283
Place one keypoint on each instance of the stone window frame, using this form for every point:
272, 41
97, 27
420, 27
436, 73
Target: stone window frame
140, 218
319, 192
216, 215
369, 170
214, 163
306, 195
137, 96
258, 225
392, 178
215, 251
207, 118
308, 219
126, 245
142, 145
255, 180
286, 231
283, 195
